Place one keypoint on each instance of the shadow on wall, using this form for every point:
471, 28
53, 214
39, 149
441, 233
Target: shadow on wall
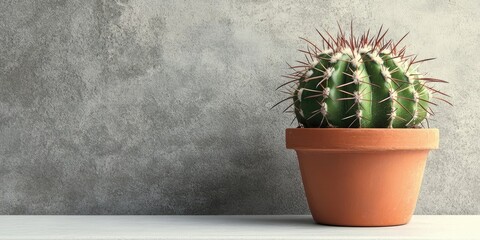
231, 172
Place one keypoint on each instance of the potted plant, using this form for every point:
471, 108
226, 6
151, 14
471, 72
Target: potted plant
362, 145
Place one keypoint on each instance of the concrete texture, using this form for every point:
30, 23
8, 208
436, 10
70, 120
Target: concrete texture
162, 107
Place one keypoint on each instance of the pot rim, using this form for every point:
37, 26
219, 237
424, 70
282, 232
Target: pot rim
363, 139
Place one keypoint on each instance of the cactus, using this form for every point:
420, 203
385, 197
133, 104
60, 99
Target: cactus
360, 82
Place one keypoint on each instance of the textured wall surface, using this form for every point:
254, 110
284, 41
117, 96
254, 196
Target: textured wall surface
162, 107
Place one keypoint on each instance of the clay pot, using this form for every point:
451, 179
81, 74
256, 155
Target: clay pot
362, 177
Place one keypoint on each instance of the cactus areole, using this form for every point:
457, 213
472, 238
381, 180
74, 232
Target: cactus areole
360, 82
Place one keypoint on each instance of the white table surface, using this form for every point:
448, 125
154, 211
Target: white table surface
227, 227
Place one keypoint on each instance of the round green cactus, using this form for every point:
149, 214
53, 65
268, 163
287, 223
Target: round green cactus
364, 82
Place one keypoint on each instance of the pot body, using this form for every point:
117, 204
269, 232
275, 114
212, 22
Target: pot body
362, 177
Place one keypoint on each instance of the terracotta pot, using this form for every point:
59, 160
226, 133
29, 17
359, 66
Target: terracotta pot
362, 177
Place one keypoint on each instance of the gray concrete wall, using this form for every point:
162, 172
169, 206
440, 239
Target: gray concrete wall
162, 107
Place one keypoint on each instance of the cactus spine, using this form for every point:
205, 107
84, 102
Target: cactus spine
364, 82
